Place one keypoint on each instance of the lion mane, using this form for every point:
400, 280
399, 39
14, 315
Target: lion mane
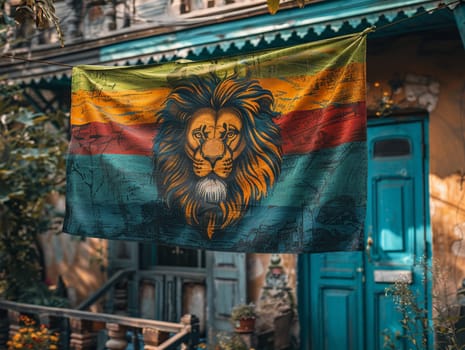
218, 150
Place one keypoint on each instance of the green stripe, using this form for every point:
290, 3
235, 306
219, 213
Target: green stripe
304, 59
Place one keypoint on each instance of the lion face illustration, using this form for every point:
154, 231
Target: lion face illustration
218, 149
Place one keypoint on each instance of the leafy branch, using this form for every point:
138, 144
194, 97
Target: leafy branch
32, 173
42, 12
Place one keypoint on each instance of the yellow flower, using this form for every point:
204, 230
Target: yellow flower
53, 338
53, 347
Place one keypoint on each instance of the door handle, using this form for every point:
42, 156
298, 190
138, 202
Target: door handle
369, 245
361, 271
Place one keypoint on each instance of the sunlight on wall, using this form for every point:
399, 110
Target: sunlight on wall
447, 202
79, 262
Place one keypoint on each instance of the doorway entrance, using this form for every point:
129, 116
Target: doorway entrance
342, 301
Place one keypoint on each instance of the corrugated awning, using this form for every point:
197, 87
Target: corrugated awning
316, 21
195, 41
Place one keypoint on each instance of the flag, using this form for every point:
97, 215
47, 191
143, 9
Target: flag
263, 152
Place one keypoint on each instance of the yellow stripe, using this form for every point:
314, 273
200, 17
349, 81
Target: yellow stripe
303, 59
341, 85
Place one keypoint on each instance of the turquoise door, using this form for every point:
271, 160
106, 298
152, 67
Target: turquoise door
342, 302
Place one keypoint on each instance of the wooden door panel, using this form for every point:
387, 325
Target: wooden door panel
393, 220
395, 223
338, 306
226, 287
336, 322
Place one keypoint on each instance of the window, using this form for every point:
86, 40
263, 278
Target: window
396, 147
161, 255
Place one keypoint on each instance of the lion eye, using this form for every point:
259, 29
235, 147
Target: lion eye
197, 134
231, 134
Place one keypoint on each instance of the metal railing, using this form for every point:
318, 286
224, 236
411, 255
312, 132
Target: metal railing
118, 276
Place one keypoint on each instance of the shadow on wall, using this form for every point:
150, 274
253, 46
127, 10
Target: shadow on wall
447, 203
80, 263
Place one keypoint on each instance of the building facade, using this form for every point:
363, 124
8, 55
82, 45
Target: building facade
416, 143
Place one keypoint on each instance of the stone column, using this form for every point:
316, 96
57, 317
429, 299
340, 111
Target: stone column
13, 317
153, 338
83, 336
117, 337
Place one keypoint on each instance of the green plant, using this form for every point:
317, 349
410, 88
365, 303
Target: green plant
243, 311
416, 326
414, 317
32, 173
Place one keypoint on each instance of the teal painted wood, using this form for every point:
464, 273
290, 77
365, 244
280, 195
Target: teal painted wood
317, 20
395, 223
459, 14
226, 287
342, 302
304, 302
337, 301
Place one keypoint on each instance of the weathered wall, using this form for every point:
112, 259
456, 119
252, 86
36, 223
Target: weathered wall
436, 61
79, 262
447, 202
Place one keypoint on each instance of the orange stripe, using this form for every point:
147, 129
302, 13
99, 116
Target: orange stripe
128, 107
336, 86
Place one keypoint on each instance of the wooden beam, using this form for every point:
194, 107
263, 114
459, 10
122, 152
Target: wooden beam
459, 13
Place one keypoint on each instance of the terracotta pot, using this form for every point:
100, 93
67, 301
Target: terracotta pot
245, 325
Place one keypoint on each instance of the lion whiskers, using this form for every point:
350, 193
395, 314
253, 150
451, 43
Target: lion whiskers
211, 190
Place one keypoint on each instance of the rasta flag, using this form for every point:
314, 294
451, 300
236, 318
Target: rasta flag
263, 152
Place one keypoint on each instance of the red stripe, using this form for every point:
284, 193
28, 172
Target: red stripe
301, 132
112, 138
307, 131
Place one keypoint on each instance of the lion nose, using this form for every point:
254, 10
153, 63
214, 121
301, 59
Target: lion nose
213, 150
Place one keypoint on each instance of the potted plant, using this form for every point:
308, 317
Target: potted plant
243, 318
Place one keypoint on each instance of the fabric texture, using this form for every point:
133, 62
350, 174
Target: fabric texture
264, 152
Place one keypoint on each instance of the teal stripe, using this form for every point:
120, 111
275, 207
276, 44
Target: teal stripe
107, 194
309, 179
114, 197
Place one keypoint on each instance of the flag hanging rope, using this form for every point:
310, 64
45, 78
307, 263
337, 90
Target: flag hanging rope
50, 63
